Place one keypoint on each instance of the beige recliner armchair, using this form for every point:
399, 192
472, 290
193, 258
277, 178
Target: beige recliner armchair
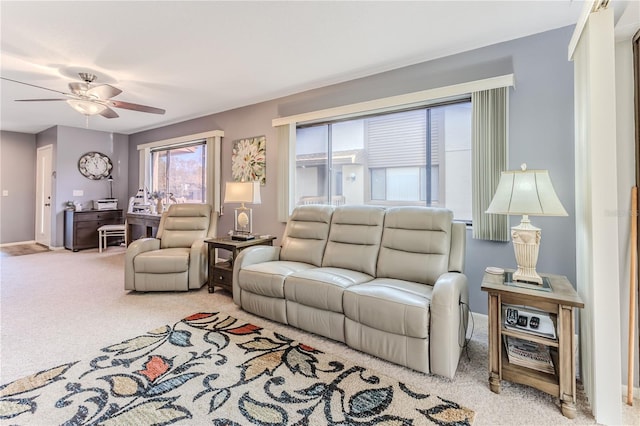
177, 259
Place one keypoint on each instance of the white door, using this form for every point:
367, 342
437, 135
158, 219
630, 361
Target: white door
44, 158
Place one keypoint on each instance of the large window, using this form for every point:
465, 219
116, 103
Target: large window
416, 157
178, 173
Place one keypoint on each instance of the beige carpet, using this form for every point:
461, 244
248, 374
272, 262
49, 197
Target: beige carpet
61, 306
211, 368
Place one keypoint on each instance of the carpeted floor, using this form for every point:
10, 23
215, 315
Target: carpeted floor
60, 306
211, 368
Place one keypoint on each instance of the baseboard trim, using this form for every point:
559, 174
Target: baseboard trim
478, 314
17, 243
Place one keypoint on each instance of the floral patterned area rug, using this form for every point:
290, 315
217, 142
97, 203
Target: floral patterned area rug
210, 368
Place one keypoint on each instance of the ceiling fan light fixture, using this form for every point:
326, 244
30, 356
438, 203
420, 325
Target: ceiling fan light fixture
86, 107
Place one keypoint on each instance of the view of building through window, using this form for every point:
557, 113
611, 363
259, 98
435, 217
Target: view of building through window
416, 157
178, 174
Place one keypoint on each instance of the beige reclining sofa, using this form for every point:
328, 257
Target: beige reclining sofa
385, 281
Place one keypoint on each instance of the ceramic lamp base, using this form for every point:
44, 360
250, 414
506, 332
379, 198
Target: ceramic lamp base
526, 245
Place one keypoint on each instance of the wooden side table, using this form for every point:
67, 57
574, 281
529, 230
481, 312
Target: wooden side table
221, 273
560, 304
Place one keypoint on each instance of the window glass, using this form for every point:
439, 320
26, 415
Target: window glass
416, 157
178, 173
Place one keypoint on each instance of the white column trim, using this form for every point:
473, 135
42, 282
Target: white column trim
597, 254
589, 6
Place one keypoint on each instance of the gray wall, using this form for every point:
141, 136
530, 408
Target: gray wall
18, 177
69, 144
540, 133
72, 143
245, 122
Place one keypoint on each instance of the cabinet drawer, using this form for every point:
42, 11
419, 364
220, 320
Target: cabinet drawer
93, 225
105, 215
222, 276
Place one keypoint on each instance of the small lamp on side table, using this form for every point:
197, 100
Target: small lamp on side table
242, 192
527, 193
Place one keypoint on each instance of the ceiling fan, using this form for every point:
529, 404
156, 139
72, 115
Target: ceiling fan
90, 99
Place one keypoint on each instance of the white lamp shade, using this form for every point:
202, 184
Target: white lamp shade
528, 192
86, 107
242, 192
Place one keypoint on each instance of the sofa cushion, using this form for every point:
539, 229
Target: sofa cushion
322, 287
267, 278
354, 238
403, 350
390, 305
415, 244
165, 261
317, 321
305, 235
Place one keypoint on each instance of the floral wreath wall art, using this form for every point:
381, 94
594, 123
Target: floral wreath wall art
249, 160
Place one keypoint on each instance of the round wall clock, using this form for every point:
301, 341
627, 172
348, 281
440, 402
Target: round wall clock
95, 165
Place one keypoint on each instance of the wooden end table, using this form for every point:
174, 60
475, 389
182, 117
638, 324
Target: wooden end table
559, 304
221, 273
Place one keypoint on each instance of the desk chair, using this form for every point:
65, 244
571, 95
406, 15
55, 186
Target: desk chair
106, 231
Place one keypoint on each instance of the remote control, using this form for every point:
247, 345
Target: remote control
522, 321
534, 322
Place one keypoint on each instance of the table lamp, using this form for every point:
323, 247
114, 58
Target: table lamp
110, 180
527, 193
242, 192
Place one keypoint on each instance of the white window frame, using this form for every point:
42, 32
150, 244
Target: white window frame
214, 144
287, 125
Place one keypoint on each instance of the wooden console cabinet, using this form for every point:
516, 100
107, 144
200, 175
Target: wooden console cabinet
81, 227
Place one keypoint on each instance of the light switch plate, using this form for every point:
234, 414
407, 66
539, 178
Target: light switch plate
5, 193
78, 192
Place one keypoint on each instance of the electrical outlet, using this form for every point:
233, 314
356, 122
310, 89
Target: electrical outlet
5, 193
78, 192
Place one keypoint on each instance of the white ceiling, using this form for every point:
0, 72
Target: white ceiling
199, 58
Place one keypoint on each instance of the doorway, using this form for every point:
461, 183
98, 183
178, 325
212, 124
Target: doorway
44, 161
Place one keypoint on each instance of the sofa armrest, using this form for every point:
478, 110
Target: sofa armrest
250, 256
449, 318
135, 248
198, 263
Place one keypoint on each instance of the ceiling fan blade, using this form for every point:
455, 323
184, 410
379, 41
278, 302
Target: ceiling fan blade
104, 91
135, 107
109, 113
38, 100
33, 85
